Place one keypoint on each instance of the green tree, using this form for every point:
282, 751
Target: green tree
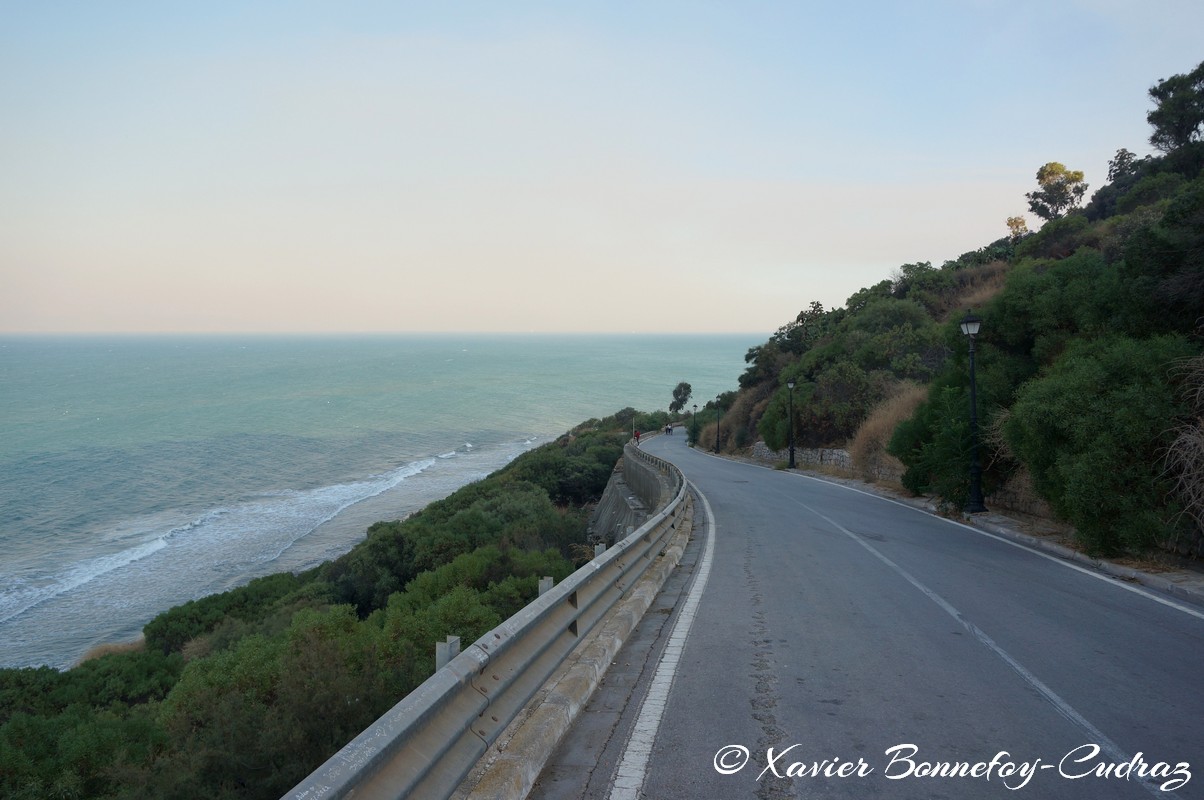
1164, 263
799, 334
1178, 117
681, 396
1122, 164
1061, 190
1018, 228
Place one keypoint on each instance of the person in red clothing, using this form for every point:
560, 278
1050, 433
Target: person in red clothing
637, 438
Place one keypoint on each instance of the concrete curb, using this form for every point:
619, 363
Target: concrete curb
1190, 586
512, 766
1152, 580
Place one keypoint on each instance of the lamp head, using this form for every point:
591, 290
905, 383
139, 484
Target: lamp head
970, 324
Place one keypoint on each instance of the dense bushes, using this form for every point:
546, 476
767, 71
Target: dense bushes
241, 694
1078, 352
169, 631
854, 358
1091, 427
1082, 322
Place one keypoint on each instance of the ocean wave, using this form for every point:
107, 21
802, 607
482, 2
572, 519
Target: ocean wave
33, 588
49, 614
220, 539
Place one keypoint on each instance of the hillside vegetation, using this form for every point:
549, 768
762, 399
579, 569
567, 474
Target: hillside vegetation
244, 693
1089, 377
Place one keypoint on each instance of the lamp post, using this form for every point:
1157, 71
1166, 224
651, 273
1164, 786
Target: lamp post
717, 415
970, 325
694, 423
790, 422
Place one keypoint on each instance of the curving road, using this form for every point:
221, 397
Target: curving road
822, 642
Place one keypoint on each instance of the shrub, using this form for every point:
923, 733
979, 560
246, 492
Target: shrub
1057, 238
172, 629
934, 445
1091, 429
1150, 189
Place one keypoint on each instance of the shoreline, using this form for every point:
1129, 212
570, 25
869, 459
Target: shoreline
349, 527
332, 538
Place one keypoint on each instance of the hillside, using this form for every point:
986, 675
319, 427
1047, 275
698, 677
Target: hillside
1089, 370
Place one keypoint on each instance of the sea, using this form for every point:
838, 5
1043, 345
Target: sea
137, 473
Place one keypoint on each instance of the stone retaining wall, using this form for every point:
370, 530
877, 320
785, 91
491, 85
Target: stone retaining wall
824, 456
636, 491
1008, 497
1017, 495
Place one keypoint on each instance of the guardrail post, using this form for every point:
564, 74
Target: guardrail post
446, 651
545, 585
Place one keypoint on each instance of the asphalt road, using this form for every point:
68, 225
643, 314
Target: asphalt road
828, 643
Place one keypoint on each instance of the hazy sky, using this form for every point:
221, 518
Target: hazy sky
620, 166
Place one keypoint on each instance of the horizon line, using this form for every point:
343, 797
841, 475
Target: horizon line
295, 334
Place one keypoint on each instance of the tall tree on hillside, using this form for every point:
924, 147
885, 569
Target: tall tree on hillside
797, 336
1061, 190
681, 396
1178, 118
1018, 228
1122, 164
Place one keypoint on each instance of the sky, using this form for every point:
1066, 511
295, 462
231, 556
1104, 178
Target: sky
317, 166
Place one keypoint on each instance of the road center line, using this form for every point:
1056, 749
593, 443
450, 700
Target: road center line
633, 768
1065, 709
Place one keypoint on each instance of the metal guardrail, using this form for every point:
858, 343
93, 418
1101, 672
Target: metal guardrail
650, 486
426, 744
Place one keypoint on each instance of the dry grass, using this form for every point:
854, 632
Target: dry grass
1019, 494
200, 647
1146, 563
740, 421
581, 554
109, 648
995, 444
868, 447
1185, 456
978, 285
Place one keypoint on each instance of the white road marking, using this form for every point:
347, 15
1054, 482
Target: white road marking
1109, 579
1065, 709
633, 768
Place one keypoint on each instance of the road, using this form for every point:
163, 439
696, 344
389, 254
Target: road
823, 642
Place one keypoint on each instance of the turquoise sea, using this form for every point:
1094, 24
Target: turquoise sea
137, 473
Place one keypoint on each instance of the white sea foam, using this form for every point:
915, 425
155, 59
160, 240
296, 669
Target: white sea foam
212, 551
36, 587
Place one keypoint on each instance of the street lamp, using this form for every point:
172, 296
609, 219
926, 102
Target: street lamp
974, 505
694, 423
790, 423
717, 414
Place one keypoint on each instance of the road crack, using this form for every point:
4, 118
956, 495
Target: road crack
764, 678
